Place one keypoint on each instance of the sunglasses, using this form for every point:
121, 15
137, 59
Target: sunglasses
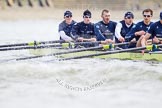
128, 17
87, 17
147, 16
68, 16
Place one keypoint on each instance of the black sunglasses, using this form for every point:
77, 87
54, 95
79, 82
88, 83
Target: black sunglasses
128, 17
147, 15
87, 17
68, 16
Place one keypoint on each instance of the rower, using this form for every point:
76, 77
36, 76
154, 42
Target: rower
66, 26
84, 30
105, 29
138, 30
155, 32
123, 27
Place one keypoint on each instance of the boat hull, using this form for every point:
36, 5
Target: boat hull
122, 56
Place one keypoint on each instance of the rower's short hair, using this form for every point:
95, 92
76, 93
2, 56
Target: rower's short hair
148, 10
105, 10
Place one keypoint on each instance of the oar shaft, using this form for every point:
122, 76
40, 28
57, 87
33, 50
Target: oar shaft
156, 52
32, 43
13, 45
103, 53
68, 52
29, 47
59, 53
51, 42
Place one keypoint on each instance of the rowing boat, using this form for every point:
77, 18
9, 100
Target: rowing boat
122, 56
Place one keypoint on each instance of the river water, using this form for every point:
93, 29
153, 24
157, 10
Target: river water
84, 83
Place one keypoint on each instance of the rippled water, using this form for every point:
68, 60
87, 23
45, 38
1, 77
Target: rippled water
85, 83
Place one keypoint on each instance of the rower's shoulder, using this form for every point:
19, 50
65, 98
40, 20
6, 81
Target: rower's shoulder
154, 24
73, 22
113, 22
139, 23
62, 22
157, 22
99, 22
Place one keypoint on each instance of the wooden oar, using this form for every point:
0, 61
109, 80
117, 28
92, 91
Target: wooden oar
75, 50
150, 47
35, 43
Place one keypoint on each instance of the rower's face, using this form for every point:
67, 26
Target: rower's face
87, 19
106, 17
68, 19
147, 16
129, 20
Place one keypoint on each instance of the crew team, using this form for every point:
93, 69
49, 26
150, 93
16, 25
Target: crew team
110, 32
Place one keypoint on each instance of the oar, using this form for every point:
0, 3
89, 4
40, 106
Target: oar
156, 52
30, 47
63, 45
73, 51
150, 47
34, 43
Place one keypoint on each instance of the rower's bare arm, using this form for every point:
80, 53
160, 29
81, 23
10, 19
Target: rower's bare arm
121, 39
139, 33
107, 41
156, 40
84, 39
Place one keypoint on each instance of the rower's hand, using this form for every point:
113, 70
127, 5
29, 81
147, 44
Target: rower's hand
121, 39
133, 40
156, 40
80, 39
109, 41
93, 40
139, 33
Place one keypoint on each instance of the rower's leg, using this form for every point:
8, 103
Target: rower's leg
140, 41
143, 42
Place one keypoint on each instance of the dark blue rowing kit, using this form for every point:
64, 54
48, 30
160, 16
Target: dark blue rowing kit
105, 31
